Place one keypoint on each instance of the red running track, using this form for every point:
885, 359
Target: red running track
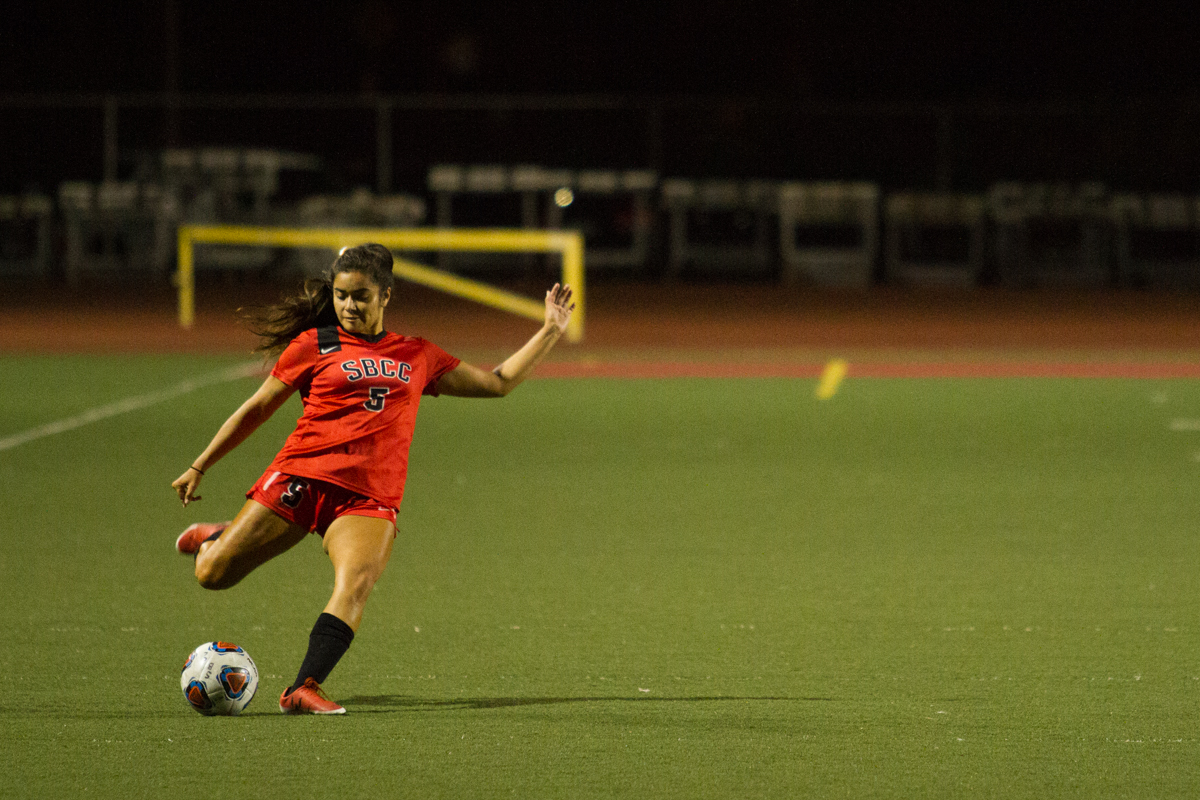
642, 370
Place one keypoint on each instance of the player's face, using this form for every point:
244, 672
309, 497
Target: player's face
359, 303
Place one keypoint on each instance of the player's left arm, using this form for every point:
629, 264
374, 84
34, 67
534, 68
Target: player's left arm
466, 380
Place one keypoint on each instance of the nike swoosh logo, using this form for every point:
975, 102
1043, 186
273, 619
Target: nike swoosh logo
327, 350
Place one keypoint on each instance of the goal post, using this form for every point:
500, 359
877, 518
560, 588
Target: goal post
479, 240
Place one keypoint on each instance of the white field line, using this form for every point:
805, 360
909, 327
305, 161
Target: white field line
129, 404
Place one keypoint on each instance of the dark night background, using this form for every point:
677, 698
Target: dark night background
908, 94
847, 51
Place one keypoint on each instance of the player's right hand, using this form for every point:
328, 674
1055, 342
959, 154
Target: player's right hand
185, 486
559, 305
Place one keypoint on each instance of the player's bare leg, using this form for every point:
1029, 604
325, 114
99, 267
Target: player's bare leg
256, 535
359, 548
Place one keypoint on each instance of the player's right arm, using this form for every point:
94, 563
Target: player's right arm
469, 381
254, 412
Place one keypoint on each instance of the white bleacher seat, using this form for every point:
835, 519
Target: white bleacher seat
935, 238
1050, 234
829, 232
613, 210
117, 228
25, 235
719, 227
1157, 239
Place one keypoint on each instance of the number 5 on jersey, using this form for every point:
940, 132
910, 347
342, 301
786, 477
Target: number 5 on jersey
378, 394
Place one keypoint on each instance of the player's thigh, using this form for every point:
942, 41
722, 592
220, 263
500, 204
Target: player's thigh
359, 547
256, 535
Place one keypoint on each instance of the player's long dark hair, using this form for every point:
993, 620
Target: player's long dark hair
276, 325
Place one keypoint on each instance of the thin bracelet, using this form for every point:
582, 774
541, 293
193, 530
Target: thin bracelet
197, 469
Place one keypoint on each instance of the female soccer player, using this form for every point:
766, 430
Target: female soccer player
341, 472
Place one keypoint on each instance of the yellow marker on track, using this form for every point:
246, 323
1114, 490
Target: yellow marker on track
831, 378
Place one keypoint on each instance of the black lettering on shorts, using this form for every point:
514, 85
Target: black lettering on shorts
295, 493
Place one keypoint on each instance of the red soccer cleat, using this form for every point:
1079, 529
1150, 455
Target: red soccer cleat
195, 535
308, 699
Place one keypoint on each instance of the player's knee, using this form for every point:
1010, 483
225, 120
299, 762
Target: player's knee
358, 583
360, 588
211, 574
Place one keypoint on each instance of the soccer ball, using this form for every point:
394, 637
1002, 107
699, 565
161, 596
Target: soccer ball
219, 678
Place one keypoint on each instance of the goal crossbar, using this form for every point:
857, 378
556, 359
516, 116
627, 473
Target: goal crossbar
495, 240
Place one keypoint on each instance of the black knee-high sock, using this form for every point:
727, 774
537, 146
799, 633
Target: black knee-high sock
328, 642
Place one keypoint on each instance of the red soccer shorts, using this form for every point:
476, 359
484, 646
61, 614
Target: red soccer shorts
314, 504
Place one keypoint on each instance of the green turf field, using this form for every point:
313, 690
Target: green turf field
684, 588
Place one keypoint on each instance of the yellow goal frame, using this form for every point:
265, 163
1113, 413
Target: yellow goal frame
479, 240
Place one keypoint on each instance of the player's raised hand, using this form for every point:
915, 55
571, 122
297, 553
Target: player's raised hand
186, 484
559, 306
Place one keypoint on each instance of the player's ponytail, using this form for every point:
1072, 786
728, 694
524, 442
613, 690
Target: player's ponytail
312, 307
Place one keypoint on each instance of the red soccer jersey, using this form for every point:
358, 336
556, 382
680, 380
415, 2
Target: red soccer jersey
360, 398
